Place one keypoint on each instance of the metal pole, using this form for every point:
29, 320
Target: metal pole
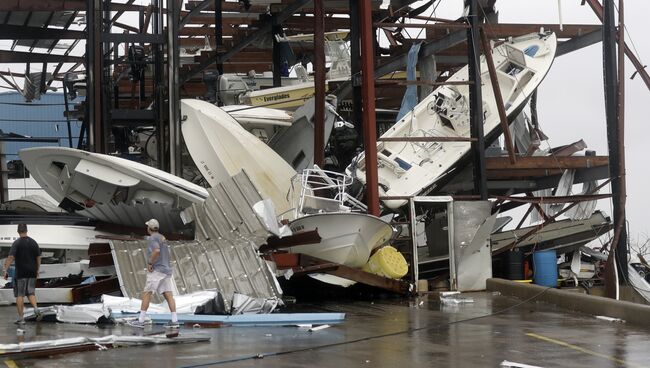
67, 114
640, 68
494, 81
476, 101
619, 244
159, 107
276, 56
621, 241
218, 31
173, 56
369, 122
355, 65
319, 83
94, 57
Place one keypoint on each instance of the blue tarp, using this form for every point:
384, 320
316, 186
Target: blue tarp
271, 319
410, 98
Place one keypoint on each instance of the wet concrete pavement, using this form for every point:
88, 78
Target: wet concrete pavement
391, 333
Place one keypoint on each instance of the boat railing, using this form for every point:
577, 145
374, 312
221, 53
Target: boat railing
324, 191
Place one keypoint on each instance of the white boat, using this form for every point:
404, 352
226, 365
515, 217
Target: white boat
221, 148
111, 189
408, 168
262, 122
296, 143
347, 238
30, 203
54, 236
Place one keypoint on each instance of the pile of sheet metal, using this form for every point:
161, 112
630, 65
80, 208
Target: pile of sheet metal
223, 257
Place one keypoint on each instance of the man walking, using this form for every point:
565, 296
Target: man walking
27, 254
159, 275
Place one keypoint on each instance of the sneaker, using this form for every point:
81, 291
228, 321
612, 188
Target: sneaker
136, 323
20, 321
39, 315
173, 325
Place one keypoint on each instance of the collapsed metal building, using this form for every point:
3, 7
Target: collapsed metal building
133, 63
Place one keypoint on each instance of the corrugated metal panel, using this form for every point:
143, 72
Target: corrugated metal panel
225, 256
228, 212
225, 265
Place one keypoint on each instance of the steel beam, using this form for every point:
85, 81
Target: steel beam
579, 42
133, 38
355, 64
546, 162
218, 31
11, 32
40, 5
263, 30
476, 101
173, 59
276, 53
159, 75
614, 138
31, 57
196, 11
319, 83
494, 81
94, 69
640, 68
368, 93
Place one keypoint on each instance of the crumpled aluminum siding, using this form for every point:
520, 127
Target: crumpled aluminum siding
137, 213
224, 256
226, 265
228, 212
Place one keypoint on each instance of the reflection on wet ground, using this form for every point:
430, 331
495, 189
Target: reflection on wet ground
387, 333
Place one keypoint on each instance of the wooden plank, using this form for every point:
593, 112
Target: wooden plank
101, 260
98, 248
97, 288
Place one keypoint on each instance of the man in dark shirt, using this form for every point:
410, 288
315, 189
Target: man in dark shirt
27, 254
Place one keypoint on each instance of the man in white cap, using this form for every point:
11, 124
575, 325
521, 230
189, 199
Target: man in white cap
159, 275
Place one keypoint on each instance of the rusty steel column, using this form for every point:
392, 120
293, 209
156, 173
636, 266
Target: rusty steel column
369, 122
494, 81
618, 246
620, 234
319, 83
476, 101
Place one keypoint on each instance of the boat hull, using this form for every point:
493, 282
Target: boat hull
53, 236
111, 189
346, 238
409, 168
221, 148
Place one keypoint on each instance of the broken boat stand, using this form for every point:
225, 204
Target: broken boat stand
302, 264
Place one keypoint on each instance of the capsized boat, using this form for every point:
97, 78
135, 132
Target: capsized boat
221, 147
563, 236
262, 122
296, 143
111, 189
409, 168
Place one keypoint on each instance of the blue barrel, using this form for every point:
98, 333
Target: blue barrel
545, 264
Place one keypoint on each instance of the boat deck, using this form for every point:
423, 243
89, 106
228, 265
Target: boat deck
389, 333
